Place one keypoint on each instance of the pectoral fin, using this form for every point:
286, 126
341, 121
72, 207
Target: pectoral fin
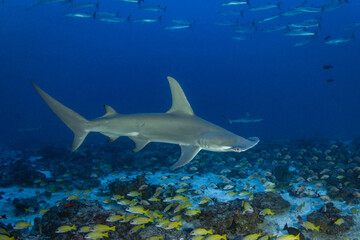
139, 142
188, 152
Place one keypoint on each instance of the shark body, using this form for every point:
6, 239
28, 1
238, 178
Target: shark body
179, 125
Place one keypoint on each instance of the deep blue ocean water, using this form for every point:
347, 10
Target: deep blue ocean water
85, 63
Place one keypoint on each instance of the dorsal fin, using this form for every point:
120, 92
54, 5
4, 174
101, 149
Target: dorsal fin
109, 111
180, 104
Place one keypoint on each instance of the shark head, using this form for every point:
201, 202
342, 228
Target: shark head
226, 142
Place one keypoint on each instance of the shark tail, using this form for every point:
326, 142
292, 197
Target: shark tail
77, 123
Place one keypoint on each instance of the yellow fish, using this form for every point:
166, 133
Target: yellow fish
72, 197
141, 220
289, 237
252, 236
339, 221
155, 238
167, 208
216, 237
175, 218
96, 235
43, 211
117, 197
204, 200
192, 212
154, 214
231, 194
180, 198
154, 199
22, 225
354, 211
266, 211
248, 207
137, 210
102, 228
181, 207
173, 225
200, 232
4, 237
198, 238
128, 218
84, 229
134, 194
136, 228
311, 226
65, 228
115, 218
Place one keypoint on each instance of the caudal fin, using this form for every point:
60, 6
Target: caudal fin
77, 123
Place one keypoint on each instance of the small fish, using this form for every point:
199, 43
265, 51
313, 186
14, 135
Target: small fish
155, 238
117, 197
73, 197
252, 236
330, 80
247, 119
288, 237
137, 210
43, 211
173, 225
200, 232
22, 225
80, 15
136, 228
216, 237
326, 67
265, 7
65, 228
148, 20
294, 231
85, 5
128, 218
339, 221
96, 235
180, 198
102, 228
198, 238
339, 40
298, 209
84, 229
141, 220
153, 8
181, 207
178, 27
354, 211
115, 218
192, 212
247, 207
231, 194
3, 216
177, 218
234, 3
266, 211
311, 226
4, 237
167, 208
134, 194
204, 200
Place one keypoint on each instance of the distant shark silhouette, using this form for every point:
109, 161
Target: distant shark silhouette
179, 125
246, 119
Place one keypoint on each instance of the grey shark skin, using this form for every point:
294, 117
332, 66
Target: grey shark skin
179, 125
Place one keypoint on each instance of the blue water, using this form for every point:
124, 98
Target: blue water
85, 63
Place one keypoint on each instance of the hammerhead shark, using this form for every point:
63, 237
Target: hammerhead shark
179, 125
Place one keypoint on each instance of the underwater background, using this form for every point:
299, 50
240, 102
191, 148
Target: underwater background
292, 64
